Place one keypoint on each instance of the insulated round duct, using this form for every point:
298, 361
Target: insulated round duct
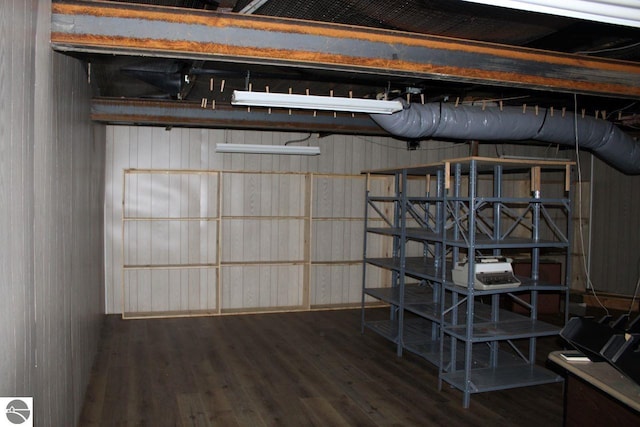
443, 120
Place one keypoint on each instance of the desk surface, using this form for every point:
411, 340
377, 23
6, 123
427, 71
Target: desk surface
603, 376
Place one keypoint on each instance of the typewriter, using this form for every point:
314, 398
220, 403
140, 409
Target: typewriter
491, 272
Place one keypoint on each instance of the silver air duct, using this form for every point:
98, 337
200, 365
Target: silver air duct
464, 122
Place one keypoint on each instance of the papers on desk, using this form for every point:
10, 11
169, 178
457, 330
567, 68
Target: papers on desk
572, 356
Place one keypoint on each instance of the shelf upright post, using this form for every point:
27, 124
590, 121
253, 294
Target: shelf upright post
535, 252
364, 249
395, 275
438, 256
497, 206
402, 243
567, 273
426, 206
455, 255
471, 236
435, 298
497, 233
440, 262
457, 192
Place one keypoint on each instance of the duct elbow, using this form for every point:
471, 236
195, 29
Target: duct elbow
605, 140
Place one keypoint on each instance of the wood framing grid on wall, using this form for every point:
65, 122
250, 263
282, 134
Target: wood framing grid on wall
206, 243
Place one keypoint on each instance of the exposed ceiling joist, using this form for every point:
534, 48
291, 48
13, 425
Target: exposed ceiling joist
126, 29
181, 114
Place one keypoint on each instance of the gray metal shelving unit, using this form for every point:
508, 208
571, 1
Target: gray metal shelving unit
476, 344
414, 295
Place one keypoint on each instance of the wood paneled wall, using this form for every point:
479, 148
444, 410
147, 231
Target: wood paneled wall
337, 204
17, 305
51, 219
337, 208
615, 243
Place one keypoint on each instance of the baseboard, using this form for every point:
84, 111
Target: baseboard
612, 301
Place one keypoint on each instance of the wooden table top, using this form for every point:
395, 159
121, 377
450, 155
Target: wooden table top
602, 376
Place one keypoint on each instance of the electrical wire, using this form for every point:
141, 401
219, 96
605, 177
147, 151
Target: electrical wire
620, 109
635, 292
498, 154
611, 49
293, 141
579, 191
371, 141
404, 148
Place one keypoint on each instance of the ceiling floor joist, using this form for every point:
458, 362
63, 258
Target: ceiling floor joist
126, 29
182, 114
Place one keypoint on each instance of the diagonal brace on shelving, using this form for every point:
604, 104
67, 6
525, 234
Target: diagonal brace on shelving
418, 216
423, 216
518, 219
459, 303
553, 225
518, 352
484, 223
453, 219
484, 226
383, 216
520, 301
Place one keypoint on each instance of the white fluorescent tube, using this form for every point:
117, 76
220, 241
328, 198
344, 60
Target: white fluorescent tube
620, 12
313, 102
267, 149
253, 6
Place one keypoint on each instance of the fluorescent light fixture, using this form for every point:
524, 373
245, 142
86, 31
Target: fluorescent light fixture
619, 12
267, 149
313, 102
253, 6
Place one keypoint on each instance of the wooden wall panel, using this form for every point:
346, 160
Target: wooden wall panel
160, 292
262, 240
170, 242
337, 209
17, 307
615, 244
261, 287
335, 241
51, 210
340, 285
68, 241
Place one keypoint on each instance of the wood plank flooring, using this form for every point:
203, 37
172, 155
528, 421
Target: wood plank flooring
293, 369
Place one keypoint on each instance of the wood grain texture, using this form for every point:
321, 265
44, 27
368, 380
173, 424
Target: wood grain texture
589, 406
263, 209
615, 260
51, 210
17, 309
288, 369
264, 216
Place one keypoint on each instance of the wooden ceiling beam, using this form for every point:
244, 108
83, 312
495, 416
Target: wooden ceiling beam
140, 30
189, 114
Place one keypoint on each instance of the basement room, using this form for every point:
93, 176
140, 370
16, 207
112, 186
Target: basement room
319, 213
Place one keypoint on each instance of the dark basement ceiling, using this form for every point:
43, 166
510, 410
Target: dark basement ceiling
134, 87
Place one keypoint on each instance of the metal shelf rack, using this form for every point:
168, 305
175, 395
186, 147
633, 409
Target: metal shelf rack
445, 211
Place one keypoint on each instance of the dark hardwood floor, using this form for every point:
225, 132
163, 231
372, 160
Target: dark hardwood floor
298, 369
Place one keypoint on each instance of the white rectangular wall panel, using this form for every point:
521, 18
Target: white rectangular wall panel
170, 243
285, 243
262, 287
